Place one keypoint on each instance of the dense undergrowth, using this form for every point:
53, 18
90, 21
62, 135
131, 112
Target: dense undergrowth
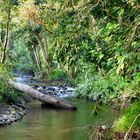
106, 86
7, 93
4, 77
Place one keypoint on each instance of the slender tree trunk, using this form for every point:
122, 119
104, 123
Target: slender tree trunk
7, 37
37, 60
1, 44
44, 53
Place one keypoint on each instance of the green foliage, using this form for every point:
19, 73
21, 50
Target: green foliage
10, 96
4, 77
24, 68
107, 86
7, 93
22, 55
125, 121
107, 40
101, 86
58, 74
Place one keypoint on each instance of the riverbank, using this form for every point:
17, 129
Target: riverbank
10, 114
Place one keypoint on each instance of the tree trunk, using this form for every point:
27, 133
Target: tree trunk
44, 53
49, 100
38, 62
7, 37
1, 44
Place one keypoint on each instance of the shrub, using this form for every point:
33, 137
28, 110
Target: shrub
11, 97
58, 74
4, 76
7, 93
101, 86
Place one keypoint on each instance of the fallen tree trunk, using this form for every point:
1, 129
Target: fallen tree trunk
49, 100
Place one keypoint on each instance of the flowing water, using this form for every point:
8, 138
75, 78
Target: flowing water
47, 124
51, 124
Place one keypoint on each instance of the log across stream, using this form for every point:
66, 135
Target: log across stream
46, 99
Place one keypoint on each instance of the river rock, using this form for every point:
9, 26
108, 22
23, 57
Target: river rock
62, 91
12, 114
35, 86
40, 88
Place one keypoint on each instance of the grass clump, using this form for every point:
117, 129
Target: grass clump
130, 119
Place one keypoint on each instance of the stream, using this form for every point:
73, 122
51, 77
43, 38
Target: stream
52, 124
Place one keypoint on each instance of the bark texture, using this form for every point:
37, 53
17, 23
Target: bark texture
7, 38
45, 54
38, 61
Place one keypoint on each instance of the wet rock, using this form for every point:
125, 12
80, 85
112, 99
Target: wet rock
39, 88
1, 119
70, 89
61, 91
35, 86
51, 89
11, 114
44, 87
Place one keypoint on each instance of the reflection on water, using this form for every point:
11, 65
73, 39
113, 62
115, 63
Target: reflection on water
46, 124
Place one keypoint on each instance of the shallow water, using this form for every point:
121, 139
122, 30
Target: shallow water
50, 124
